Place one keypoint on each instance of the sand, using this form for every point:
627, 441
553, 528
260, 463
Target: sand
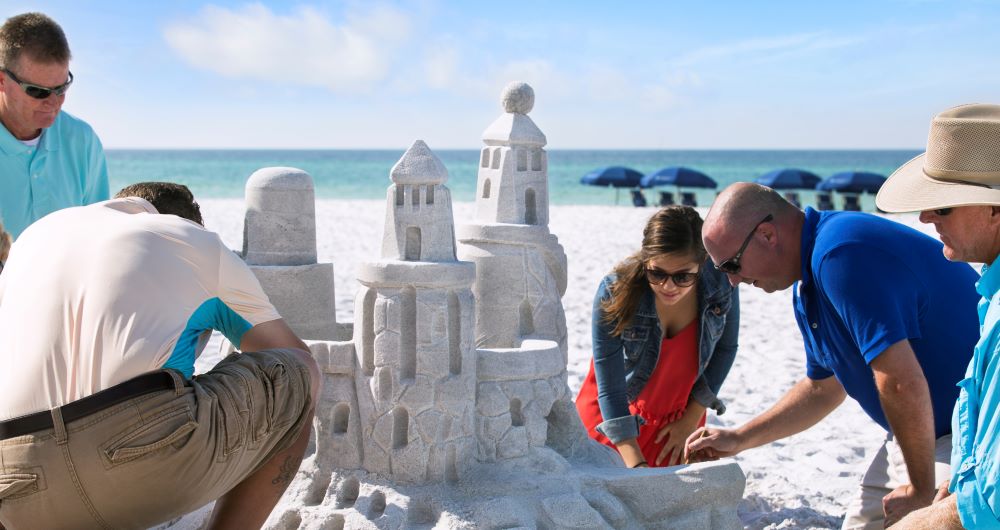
804, 481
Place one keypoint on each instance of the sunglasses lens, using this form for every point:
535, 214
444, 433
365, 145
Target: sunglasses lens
942, 212
685, 279
655, 276
37, 92
729, 267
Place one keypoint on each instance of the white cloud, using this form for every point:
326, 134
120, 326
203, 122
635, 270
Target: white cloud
802, 43
304, 47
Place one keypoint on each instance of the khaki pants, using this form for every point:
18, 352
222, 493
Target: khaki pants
156, 456
886, 472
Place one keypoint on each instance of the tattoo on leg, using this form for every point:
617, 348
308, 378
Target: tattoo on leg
287, 472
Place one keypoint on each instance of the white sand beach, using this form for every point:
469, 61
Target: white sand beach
802, 482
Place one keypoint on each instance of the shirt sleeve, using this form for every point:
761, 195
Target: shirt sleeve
874, 293
975, 481
240, 291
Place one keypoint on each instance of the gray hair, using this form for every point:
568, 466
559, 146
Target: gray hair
35, 35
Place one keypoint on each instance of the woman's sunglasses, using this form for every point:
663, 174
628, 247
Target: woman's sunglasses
680, 279
40, 92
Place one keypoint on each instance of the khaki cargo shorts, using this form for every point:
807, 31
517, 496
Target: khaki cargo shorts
160, 455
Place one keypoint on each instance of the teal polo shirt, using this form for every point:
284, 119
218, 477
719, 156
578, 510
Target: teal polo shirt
67, 168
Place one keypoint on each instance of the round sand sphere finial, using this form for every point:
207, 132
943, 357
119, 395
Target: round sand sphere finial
518, 97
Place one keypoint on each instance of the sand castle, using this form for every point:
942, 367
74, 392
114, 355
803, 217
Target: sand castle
445, 405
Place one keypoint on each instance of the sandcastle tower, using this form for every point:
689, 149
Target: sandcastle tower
521, 277
279, 244
414, 333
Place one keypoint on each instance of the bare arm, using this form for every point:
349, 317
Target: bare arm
271, 335
809, 401
906, 401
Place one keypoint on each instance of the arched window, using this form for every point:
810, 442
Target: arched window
400, 428
454, 334
341, 418
496, 158
486, 188
485, 162
530, 210
412, 251
527, 320
408, 334
516, 416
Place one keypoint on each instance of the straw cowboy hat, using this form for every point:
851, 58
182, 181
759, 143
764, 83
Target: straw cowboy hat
961, 166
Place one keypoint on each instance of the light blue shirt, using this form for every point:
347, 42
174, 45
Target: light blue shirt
67, 168
975, 453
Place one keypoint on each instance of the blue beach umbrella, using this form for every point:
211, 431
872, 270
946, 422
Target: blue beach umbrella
852, 182
614, 176
682, 177
789, 179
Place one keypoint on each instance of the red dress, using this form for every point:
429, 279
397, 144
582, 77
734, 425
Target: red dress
663, 399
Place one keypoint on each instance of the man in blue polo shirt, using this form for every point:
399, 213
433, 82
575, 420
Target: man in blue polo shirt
885, 319
49, 160
956, 187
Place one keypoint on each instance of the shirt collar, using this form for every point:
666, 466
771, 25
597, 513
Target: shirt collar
989, 283
129, 205
50, 140
808, 242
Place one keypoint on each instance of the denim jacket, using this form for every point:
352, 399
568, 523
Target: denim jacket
623, 364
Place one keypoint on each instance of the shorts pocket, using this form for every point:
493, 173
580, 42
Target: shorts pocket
169, 428
17, 485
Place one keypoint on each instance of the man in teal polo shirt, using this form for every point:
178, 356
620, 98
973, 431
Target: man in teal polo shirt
956, 187
49, 160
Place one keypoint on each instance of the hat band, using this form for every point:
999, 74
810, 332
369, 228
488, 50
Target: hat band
986, 179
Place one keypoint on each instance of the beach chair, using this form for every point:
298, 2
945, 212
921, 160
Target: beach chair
793, 197
666, 198
824, 201
852, 203
688, 199
638, 199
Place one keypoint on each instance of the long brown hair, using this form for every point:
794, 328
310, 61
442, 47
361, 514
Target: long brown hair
672, 230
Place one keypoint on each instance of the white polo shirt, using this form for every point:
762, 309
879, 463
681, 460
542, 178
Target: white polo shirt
93, 296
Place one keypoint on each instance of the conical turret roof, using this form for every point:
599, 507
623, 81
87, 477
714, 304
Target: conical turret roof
419, 165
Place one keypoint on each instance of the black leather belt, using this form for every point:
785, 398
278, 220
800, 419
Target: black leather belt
144, 384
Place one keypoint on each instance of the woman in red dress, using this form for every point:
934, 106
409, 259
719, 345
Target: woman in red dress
665, 331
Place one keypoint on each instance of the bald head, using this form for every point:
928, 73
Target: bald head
737, 219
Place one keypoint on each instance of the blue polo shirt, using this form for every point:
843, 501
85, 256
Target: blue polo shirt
868, 283
67, 168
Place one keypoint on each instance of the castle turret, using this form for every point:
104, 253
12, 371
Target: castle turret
414, 333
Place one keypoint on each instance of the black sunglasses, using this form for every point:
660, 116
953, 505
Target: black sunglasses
680, 279
941, 212
732, 265
40, 92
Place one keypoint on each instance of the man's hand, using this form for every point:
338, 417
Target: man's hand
903, 500
707, 444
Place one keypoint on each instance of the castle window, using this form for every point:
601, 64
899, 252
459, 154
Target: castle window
486, 157
530, 213
516, 415
412, 250
454, 334
400, 194
486, 189
341, 417
522, 159
415, 190
430, 194
496, 158
536, 159
408, 334
526, 321
368, 332
400, 428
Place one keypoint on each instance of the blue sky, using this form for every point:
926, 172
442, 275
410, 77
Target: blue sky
662, 75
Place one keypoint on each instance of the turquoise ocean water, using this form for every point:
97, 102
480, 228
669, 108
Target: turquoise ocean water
364, 174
